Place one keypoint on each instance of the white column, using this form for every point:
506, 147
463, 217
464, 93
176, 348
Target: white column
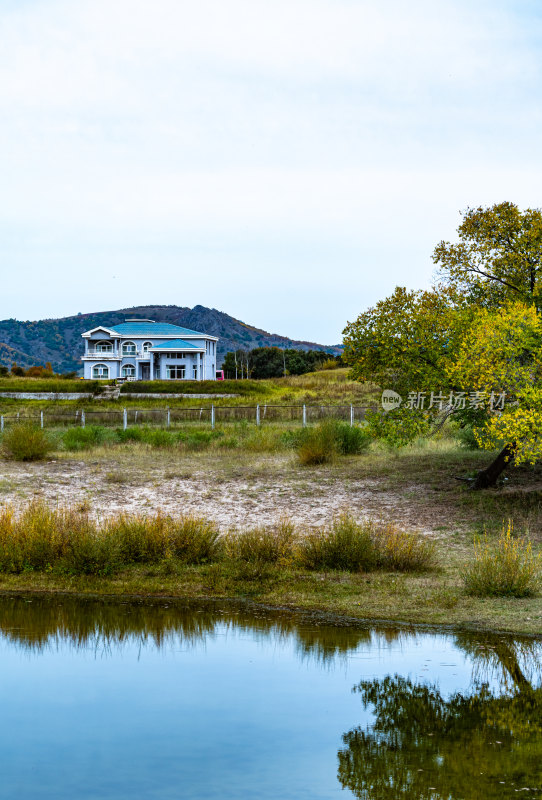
151, 367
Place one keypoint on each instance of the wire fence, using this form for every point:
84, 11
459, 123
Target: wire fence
175, 417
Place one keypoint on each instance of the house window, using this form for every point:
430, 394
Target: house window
104, 347
146, 346
128, 349
128, 371
175, 373
195, 368
100, 371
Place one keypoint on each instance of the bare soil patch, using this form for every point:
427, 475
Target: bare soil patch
242, 489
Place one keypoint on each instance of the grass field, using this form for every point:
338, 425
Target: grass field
242, 476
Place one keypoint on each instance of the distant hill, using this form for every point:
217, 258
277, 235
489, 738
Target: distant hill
59, 340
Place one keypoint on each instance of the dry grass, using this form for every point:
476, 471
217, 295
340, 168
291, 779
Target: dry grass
508, 568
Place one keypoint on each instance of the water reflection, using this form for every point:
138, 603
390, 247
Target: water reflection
479, 737
40, 624
485, 743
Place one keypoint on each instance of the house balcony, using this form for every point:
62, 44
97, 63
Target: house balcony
108, 355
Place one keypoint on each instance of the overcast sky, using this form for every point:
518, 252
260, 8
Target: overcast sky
286, 161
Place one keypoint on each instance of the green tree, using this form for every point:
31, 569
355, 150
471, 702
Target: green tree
498, 256
407, 341
478, 330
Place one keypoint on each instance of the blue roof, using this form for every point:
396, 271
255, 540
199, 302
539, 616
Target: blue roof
175, 344
152, 329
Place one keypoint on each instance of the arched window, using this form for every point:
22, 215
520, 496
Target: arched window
147, 346
104, 347
100, 371
128, 349
128, 371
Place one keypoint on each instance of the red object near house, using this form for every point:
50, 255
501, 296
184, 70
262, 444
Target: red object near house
220, 375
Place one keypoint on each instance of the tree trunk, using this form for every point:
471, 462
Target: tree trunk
488, 477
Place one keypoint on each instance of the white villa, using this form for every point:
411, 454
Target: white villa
141, 349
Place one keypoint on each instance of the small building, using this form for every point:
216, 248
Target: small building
141, 349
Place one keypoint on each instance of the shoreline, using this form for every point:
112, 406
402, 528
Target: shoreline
339, 613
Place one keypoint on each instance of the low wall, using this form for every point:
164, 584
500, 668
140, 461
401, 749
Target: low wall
47, 395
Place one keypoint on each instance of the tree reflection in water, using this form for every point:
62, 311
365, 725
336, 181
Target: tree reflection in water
420, 745
484, 744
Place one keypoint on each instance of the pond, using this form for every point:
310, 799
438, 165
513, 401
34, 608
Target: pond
103, 700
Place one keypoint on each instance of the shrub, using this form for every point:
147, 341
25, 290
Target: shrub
346, 545
26, 442
130, 434
351, 439
507, 569
262, 545
83, 438
318, 445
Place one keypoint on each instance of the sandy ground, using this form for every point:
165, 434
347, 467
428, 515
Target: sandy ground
238, 493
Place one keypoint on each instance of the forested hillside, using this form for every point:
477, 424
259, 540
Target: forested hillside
59, 340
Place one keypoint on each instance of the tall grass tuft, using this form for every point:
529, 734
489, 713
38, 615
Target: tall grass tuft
26, 442
345, 545
508, 568
402, 551
262, 545
351, 439
318, 445
68, 541
321, 443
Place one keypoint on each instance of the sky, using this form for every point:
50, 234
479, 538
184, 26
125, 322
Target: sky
288, 162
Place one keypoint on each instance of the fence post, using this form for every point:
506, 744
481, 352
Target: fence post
258, 414
351, 416
168, 423
2, 423
41, 419
82, 419
124, 419
212, 417
304, 415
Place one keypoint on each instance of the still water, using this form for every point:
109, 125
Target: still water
168, 701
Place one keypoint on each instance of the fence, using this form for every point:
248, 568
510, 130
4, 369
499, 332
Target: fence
168, 417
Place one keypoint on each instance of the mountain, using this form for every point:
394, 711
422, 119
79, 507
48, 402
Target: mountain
59, 340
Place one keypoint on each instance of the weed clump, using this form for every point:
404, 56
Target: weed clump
507, 569
83, 438
26, 442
